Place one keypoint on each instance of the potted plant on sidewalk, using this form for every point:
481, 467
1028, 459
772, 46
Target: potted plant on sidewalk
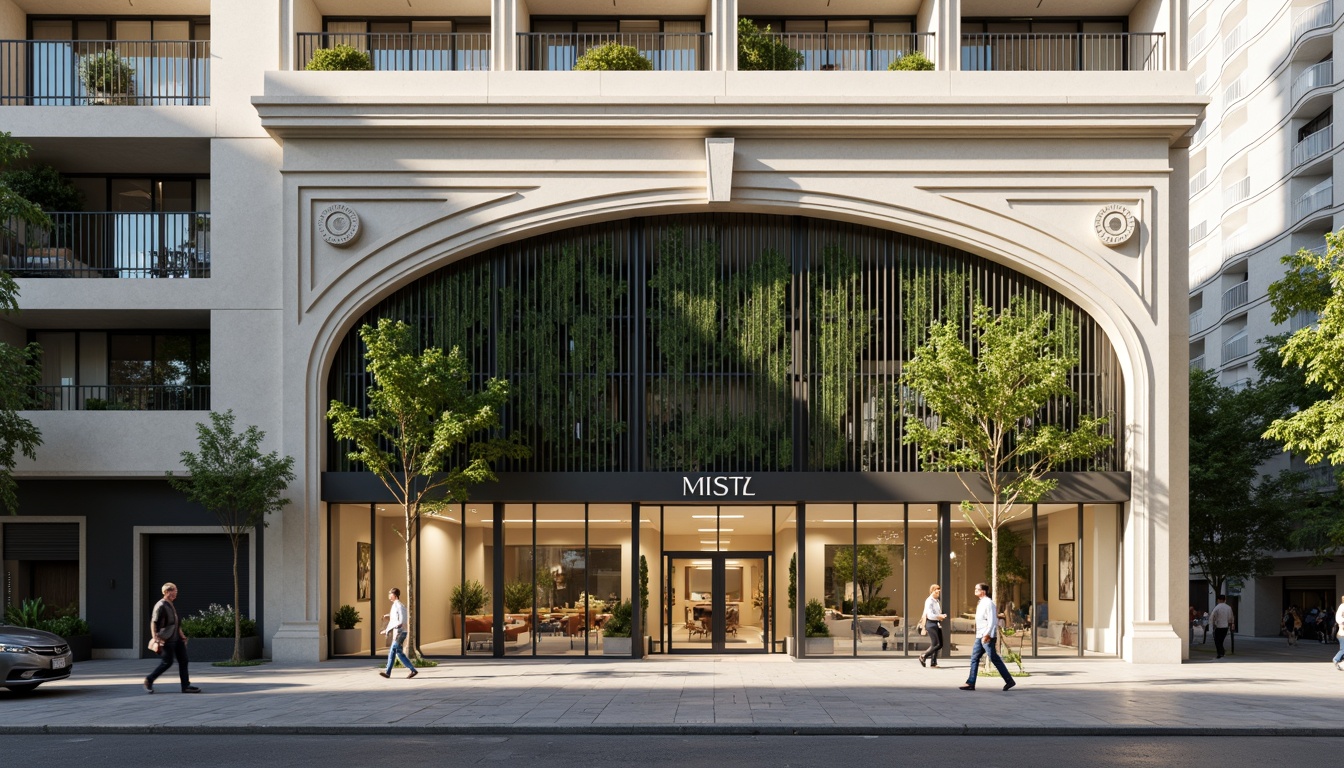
346, 639
819, 640
617, 630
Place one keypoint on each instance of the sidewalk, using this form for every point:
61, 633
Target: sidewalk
1266, 689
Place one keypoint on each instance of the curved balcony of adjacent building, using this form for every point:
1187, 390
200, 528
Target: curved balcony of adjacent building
1236, 347
1236, 297
1312, 30
1313, 207
1310, 94
1312, 153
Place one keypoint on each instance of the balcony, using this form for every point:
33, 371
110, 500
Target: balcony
1303, 318
1235, 347
1196, 321
1320, 196
1234, 92
1199, 232
1234, 40
110, 244
1315, 76
854, 52
1314, 145
1237, 192
1234, 244
404, 51
1197, 363
63, 73
1311, 18
1200, 181
559, 51
1083, 52
122, 397
1236, 296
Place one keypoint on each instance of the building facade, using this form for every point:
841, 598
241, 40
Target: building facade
700, 282
1263, 164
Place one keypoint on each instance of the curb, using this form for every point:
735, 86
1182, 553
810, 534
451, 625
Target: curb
687, 729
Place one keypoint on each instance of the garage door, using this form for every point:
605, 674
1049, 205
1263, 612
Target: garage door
201, 565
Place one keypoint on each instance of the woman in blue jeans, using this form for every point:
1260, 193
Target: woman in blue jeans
396, 629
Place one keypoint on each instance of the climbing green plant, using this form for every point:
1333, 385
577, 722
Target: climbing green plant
842, 325
565, 352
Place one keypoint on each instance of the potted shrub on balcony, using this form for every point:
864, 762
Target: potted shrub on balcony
758, 50
819, 640
913, 61
468, 599
339, 58
613, 57
346, 639
210, 635
107, 77
617, 630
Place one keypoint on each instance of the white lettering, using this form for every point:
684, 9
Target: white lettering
746, 481
717, 485
692, 489
720, 486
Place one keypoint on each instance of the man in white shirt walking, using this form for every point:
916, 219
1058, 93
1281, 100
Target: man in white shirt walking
986, 633
1221, 619
396, 629
1339, 632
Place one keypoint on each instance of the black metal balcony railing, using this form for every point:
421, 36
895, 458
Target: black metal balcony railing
668, 51
110, 244
863, 52
55, 73
1086, 52
122, 397
404, 51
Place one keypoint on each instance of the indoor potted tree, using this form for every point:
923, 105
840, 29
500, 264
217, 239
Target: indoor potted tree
819, 640
468, 599
617, 630
346, 639
107, 77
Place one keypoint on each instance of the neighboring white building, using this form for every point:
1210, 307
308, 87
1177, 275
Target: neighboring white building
1262, 173
270, 211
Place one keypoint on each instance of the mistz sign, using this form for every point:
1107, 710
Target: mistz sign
736, 486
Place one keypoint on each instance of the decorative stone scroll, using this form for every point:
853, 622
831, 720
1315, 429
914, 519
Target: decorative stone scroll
1114, 225
338, 225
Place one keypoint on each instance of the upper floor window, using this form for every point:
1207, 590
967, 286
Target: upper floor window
1315, 124
1057, 45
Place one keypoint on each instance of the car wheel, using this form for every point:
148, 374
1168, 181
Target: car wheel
23, 688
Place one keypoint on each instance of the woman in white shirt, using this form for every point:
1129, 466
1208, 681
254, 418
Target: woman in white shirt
933, 618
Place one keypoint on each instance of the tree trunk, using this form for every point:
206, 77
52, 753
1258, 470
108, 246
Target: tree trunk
411, 650
237, 610
994, 556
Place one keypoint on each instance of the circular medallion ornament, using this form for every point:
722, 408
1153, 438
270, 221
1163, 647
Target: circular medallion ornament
338, 224
1114, 224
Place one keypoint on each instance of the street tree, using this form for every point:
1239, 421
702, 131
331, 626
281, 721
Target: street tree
978, 407
427, 434
19, 366
232, 478
1238, 514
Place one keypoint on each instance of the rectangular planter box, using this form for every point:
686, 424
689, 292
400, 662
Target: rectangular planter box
617, 646
221, 648
820, 646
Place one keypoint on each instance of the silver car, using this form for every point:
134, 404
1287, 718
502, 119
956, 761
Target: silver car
31, 657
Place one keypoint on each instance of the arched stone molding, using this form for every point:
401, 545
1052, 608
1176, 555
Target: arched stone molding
1012, 223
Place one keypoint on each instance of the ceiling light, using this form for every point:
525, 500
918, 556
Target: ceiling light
713, 530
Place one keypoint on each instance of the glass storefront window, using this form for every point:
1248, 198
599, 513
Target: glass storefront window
440, 547
922, 548
473, 599
350, 578
1056, 616
827, 528
879, 582
786, 576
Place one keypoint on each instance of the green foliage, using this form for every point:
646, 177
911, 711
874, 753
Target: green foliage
843, 325
518, 597
1012, 568
701, 321
1311, 285
65, 626
1238, 516
339, 58
546, 585
613, 57
793, 582
913, 61
105, 72
14, 205
469, 597
44, 186
427, 435
30, 613
644, 590
566, 352
977, 406
873, 568
218, 621
758, 50
816, 620
346, 617
620, 623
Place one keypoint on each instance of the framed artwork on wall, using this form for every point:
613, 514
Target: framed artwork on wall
363, 558
1066, 571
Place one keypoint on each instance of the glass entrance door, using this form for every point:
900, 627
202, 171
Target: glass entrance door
718, 601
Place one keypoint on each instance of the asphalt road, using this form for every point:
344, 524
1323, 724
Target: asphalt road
586, 751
